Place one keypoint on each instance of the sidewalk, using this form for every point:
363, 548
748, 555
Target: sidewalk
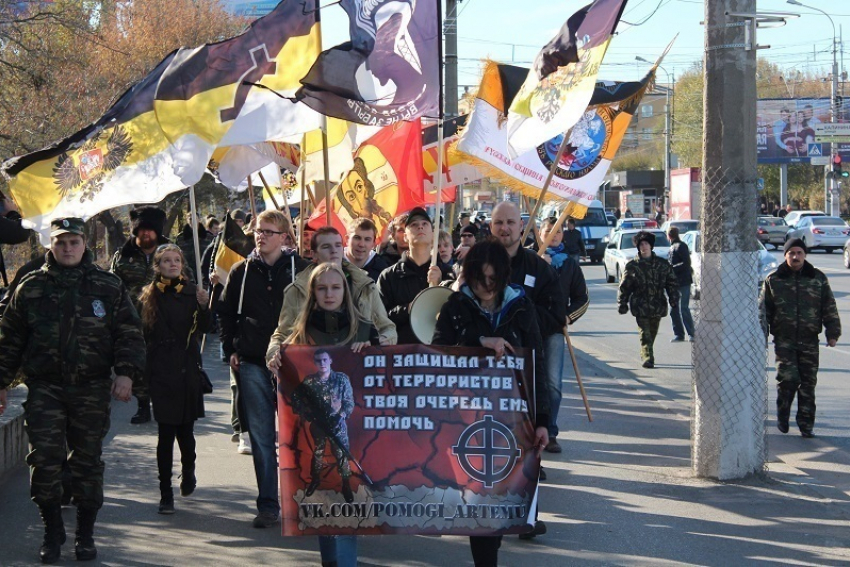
621, 494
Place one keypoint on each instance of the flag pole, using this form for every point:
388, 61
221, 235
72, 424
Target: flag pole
276, 205
438, 200
199, 278
324, 129
302, 212
561, 149
251, 199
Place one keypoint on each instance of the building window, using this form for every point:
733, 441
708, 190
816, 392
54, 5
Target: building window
646, 133
646, 110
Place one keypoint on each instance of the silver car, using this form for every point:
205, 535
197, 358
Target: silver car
827, 233
767, 261
620, 250
772, 230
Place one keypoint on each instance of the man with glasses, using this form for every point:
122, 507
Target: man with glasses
249, 308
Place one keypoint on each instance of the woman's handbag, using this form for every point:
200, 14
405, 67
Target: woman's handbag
206, 383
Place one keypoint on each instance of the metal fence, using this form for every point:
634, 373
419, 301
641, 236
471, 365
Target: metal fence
729, 381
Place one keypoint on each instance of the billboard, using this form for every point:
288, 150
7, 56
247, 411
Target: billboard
249, 8
786, 130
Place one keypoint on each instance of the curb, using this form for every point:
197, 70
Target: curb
14, 444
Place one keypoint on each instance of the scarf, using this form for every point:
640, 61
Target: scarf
558, 255
167, 285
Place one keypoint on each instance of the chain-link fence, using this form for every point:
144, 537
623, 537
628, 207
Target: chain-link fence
729, 377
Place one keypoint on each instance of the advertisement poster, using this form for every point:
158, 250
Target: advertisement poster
785, 129
408, 439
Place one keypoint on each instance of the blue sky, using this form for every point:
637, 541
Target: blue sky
509, 30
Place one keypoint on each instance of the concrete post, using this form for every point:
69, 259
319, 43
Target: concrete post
783, 184
729, 354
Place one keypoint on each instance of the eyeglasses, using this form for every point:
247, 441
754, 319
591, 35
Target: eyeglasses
265, 232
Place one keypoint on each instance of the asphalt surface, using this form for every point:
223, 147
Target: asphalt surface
621, 493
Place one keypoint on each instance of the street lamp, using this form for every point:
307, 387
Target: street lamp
833, 101
667, 121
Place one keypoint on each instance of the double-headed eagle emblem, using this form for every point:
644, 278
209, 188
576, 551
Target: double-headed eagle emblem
86, 175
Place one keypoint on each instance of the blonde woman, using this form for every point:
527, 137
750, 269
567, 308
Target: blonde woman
329, 318
174, 314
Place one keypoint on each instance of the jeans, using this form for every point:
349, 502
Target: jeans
555, 347
576, 257
340, 549
257, 412
683, 314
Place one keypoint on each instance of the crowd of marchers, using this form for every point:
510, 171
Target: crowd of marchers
80, 336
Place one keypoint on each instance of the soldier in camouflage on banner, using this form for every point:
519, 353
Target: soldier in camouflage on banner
67, 326
133, 263
642, 288
326, 400
796, 303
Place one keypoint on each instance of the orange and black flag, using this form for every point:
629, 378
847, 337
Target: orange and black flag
233, 247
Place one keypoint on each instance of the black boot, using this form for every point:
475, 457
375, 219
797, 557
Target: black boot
188, 482
84, 544
54, 533
144, 413
166, 503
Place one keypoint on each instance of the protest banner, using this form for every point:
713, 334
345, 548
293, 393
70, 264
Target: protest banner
406, 439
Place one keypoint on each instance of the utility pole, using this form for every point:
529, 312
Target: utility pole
729, 353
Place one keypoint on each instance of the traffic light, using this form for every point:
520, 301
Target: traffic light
837, 170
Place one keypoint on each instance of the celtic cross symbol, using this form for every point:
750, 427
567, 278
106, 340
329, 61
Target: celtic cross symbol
498, 451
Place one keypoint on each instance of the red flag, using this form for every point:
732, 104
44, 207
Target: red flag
386, 179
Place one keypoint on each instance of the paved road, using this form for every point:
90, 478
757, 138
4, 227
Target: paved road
612, 339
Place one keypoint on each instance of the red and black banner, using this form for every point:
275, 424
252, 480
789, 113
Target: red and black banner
406, 439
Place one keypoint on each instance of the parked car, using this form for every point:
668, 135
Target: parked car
620, 250
612, 220
684, 225
772, 230
792, 218
594, 228
767, 262
827, 233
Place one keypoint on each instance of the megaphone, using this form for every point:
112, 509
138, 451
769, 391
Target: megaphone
424, 311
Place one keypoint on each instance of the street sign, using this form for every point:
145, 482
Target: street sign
827, 132
815, 150
760, 184
822, 160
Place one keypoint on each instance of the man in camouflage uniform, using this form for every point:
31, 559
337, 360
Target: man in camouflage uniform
67, 326
133, 263
326, 400
642, 288
796, 303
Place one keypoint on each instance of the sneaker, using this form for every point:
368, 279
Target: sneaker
538, 529
244, 444
552, 446
166, 505
677, 340
234, 438
691, 339
266, 519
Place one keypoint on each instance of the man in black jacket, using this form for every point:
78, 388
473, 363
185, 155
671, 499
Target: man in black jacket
392, 249
680, 259
11, 231
574, 289
360, 250
573, 242
401, 283
249, 308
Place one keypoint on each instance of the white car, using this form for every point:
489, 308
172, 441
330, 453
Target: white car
794, 217
767, 261
620, 250
828, 233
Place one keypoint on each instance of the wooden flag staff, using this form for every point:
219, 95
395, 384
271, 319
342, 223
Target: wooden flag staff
561, 149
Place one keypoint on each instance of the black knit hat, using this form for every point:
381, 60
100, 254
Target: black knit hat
644, 236
151, 218
795, 242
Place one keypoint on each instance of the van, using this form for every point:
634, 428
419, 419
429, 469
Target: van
594, 227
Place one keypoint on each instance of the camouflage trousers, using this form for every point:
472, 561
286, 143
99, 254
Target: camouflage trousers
321, 439
797, 374
67, 421
647, 331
